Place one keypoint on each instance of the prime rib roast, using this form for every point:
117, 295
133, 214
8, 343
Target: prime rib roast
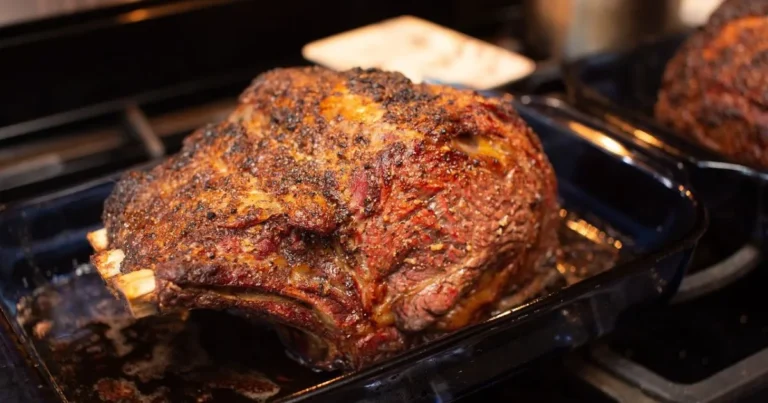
715, 89
359, 212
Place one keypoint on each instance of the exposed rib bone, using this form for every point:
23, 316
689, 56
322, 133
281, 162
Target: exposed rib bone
98, 239
136, 284
141, 307
138, 288
108, 262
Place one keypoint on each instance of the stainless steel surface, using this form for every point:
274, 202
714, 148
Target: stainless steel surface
32, 162
16, 11
572, 28
29, 162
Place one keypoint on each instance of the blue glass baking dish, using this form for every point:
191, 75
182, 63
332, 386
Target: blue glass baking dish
621, 89
615, 190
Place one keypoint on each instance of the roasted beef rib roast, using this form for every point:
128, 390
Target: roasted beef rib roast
715, 89
360, 213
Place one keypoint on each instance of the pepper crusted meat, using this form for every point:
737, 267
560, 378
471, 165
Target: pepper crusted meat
361, 213
714, 89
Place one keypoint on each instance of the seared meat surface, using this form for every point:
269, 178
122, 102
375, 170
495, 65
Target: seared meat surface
715, 89
361, 213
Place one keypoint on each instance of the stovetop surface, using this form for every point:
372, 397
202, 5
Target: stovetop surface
686, 343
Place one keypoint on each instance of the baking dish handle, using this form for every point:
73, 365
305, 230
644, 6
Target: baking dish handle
609, 139
658, 162
616, 143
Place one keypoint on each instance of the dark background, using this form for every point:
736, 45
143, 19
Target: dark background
68, 62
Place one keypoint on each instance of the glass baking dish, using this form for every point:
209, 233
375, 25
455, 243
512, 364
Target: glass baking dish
85, 348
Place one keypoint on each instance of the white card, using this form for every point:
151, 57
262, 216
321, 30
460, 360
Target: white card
421, 50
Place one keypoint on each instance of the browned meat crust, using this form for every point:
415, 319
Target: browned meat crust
715, 89
365, 211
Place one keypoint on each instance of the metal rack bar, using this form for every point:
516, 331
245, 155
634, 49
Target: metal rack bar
140, 127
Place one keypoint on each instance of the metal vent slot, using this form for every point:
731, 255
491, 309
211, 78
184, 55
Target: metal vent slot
174, 118
44, 160
173, 127
46, 154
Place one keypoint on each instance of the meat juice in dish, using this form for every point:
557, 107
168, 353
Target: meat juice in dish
714, 89
360, 213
